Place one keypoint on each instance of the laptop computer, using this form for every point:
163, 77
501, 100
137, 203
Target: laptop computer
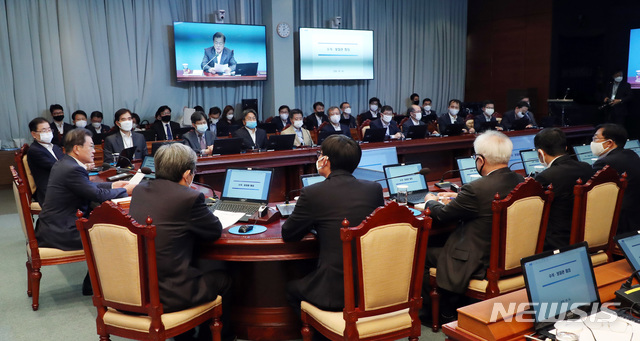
246, 69
633, 145
245, 190
467, 168
629, 243
310, 179
491, 125
417, 185
558, 282
374, 135
322, 135
416, 132
280, 142
520, 124
532, 165
584, 154
125, 157
149, 162
227, 146
98, 138
454, 129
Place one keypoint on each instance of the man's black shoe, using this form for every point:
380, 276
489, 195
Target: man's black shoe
86, 286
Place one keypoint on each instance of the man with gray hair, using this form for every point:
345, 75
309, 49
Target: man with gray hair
465, 254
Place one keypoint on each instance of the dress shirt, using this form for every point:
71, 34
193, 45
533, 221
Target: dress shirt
453, 118
168, 132
252, 133
127, 141
60, 126
49, 147
319, 120
299, 135
614, 90
336, 128
80, 163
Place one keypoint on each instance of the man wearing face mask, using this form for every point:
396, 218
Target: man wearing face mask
450, 123
252, 136
617, 94
335, 125
79, 118
351, 198
58, 126
318, 117
414, 99
415, 116
214, 118
41, 156
163, 126
372, 113
519, 118
124, 138
200, 139
346, 118
465, 254
608, 145
486, 120
428, 114
283, 118
386, 121
562, 171
96, 126
303, 137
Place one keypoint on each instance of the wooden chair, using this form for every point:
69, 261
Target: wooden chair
121, 255
322, 125
363, 127
518, 230
25, 174
37, 257
360, 119
596, 209
269, 119
402, 123
390, 250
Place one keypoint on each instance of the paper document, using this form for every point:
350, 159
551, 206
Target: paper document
137, 178
121, 200
220, 67
228, 218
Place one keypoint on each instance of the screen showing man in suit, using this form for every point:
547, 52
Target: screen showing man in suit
218, 58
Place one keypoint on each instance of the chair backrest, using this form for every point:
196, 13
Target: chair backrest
596, 208
20, 194
402, 123
322, 125
390, 250
269, 119
363, 127
518, 229
469, 123
121, 256
23, 169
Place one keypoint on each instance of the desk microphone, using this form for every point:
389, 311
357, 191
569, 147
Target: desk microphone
120, 157
106, 166
423, 171
566, 93
442, 184
146, 170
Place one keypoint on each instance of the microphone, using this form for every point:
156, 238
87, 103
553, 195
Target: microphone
106, 166
423, 171
120, 157
515, 163
443, 183
146, 170
286, 209
566, 93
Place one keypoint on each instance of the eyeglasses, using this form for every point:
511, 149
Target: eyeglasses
319, 153
595, 137
476, 156
46, 130
218, 44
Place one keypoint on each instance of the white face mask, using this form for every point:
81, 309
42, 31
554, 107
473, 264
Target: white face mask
454, 112
284, 117
541, 159
81, 123
347, 111
126, 125
96, 125
489, 111
519, 115
46, 137
335, 119
373, 107
230, 117
427, 108
597, 148
214, 120
297, 124
417, 116
618, 79
318, 167
387, 118
201, 128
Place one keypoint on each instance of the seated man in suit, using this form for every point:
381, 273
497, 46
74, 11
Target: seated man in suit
96, 126
485, 120
58, 126
318, 117
386, 121
562, 171
465, 254
450, 118
214, 118
303, 137
124, 138
413, 99
335, 125
519, 118
163, 126
218, 54
415, 115
346, 118
200, 139
42, 155
283, 118
182, 221
428, 114
351, 198
608, 145
252, 136
79, 119
373, 112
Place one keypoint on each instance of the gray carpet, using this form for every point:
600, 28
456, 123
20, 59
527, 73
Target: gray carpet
64, 313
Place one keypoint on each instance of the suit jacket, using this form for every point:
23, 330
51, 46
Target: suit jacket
393, 126
223, 126
367, 115
343, 128
113, 144
305, 135
57, 139
352, 199
68, 191
311, 122
409, 123
210, 53
191, 139
625, 161
444, 121
40, 162
467, 249
277, 121
349, 122
563, 173
247, 141
158, 127
103, 129
619, 111
509, 119
182, 220
478, 121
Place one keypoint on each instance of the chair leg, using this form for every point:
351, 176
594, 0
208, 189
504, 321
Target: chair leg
35, 276
105, 338
435, 304
307, 332
216, 329
29, 289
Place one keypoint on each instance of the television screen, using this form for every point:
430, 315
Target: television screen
633, 72
220, 52
327, 54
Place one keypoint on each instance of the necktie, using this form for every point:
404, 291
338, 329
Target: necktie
203, 143
169, 135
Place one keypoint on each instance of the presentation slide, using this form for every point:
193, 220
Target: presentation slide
240, 50
247, 184
329, 54
414, 182
633, 73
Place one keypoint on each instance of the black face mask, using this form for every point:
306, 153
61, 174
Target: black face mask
58, 118
416, 102
479, 170
319, 113
165, 119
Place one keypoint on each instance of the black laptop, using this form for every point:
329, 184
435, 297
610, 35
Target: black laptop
125, 157
246, 69
416, 132
408, 175
374, 135
280, 142
245, 190
323, 134
231, 145
454, 129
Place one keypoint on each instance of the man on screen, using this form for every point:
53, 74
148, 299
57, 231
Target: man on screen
218, 54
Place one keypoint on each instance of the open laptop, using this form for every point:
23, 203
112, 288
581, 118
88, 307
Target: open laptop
280, 142
633, 145
310, 179
374, 135
149, 162
245, 190
532, 165
417, 185
467, 168
454, 129
231, 145
584, 154
557, 282
125, 157
629, 243
416, 132
246, 69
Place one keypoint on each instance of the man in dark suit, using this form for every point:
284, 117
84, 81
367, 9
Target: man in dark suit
96, 126
58, 126
318, 117
218, 54
608, 145
282, 120
415, 116
163, 126
42, 155
346, 117
351, 199
486, 120
519, 118
562, 172
428, 114
465, 254
392, 131
334, 124
70, 190
252, 136
617, 94
124, 138
200, 139
373, 112
448, 121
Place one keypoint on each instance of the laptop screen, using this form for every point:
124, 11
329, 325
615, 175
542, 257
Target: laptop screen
583, 153
251, 184
467, 167
310, 179
372, 162
148, 162
531, 162
415, 182
633, 145
559, 281
630, 245
523, 142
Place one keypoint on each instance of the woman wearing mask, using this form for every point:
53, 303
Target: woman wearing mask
252, 136
227, 123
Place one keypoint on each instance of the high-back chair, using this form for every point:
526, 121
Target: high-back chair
390, 248
37, 257
518, 230
23, 169
596, 209
363, 127
121, 256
